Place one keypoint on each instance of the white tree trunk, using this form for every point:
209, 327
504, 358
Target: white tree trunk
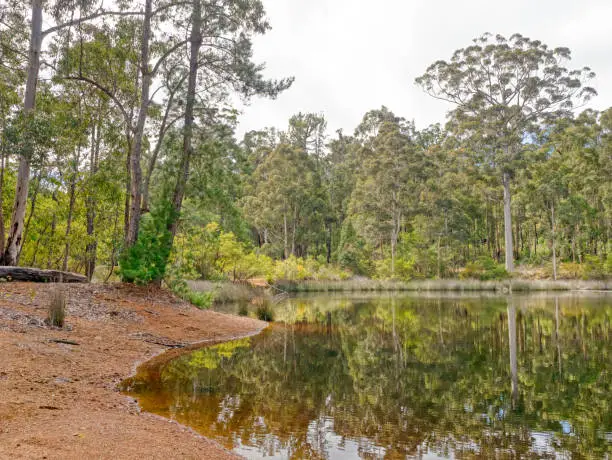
513, 349
136, 151
15, 236
552, 234
508, 223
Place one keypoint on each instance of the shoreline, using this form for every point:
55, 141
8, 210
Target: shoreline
446, 285
227, 292
63, 401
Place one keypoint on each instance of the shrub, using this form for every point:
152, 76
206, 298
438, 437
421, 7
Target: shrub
608, 264
57, 308
146, 260
569, 270
353, 253
291, 269
265, 313
484, 269
177, 284
594, 267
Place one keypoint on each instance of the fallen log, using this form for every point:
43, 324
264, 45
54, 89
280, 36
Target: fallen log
64, 341
38, 275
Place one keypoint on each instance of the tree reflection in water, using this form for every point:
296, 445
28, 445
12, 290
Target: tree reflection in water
402, 376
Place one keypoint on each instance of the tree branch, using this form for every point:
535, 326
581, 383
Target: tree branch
88, 18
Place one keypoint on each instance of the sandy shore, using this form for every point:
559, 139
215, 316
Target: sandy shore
60, 401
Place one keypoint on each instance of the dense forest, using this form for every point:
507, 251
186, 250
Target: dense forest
120, 156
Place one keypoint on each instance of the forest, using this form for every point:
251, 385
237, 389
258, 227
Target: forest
120, 157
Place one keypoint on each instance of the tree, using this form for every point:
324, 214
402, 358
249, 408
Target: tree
503, 89
37, 34
385, 191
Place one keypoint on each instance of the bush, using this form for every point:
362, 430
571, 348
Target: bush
145, 262
608, 265
484, 269
56, 314
265, 313
594, 268
291, 269
570, 270
298, 269
353, 253
177, 284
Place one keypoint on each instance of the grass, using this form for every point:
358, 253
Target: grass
265, 312
513, 285
56, 313
227, 292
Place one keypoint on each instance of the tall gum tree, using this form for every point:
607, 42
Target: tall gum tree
220, 60
503, 88
59, 10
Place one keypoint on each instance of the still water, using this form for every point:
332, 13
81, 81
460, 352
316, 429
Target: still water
402, 377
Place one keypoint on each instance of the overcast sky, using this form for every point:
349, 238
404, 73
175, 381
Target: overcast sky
351, 56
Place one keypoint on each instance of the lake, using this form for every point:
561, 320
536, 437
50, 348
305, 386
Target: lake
383, 376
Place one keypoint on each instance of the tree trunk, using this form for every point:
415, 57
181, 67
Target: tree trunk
39, 275
92, 245
2, 167
508, 223
512, 343
286, 236
181, 183
15, 236
69, 219
294, 231
329, 243
552, 234
393, 244
158, 144
136, 150
32, 209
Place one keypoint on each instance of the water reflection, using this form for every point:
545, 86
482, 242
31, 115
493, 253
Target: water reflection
402, 377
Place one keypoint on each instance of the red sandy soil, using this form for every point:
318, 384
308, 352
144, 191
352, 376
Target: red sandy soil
60, 401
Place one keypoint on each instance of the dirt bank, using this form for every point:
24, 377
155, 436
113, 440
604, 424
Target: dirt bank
59, 401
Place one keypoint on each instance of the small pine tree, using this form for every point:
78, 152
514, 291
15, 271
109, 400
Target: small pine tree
145, 262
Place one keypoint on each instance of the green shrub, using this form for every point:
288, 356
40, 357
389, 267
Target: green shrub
177, 284
484, 269
593, 268
608, 264
353, 253
265, 313
570, 270
145, 262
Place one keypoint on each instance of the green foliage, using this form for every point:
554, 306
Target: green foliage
298, 269
175, 280
352, 251
608, 264
265, 313
146, 260
594, 267
484, 269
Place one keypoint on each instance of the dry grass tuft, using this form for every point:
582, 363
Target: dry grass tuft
57, 308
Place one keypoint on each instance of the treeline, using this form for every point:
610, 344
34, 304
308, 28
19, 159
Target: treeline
394, 201
118, 148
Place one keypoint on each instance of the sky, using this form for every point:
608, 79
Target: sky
352, 56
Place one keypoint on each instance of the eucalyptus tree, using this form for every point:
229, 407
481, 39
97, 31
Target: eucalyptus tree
384, 192
63, 14
12, 76
503, 89
221, 56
